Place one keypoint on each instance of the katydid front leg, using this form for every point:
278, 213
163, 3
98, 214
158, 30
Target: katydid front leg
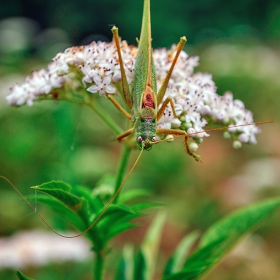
183, 133
125, 113
125, 134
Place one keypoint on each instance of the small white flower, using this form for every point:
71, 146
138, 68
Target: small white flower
197, 130
176, 123
102, 86
167, 118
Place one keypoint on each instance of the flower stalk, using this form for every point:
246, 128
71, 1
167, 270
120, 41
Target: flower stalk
98, 264
107, 119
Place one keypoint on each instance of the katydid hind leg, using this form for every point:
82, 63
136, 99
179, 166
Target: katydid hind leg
127, 95
167, 101
161, 92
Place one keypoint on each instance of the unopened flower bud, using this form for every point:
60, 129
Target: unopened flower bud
193, 147
237, 144
169, 138
227, 135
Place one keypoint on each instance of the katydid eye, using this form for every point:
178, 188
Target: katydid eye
139, 139
154, 139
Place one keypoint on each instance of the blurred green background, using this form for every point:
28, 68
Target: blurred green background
237, 41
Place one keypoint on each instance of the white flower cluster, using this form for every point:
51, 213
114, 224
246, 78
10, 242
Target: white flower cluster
96, 66
38, 83
195, 98
36, 247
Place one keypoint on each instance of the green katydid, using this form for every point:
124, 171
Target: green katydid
144, 99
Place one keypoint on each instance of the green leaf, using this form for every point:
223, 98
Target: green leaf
21, 276
117, 229
198, 262
147, 257
59, 207
133, 194
138, 207
61, 191
59, 185
126, 266
222, 236
94, 203
104, 188
114, 215
140, 267
177, 260
241, 221
116, 220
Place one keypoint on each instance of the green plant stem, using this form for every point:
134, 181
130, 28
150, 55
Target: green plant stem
104, 116
98, 258
126, 151
98, 262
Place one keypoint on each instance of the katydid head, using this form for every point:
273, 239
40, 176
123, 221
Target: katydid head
146, 142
